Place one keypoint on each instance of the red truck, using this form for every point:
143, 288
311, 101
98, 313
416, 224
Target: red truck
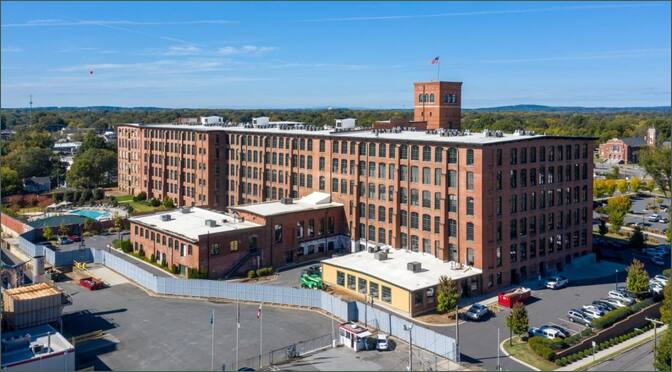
91, 283
509, 299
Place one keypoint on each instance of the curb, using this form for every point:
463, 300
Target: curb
501, 347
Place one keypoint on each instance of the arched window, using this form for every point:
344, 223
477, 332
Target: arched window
431, 97
419, 97
425, 97
470, 206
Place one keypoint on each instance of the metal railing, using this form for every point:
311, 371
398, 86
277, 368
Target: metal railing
283, 354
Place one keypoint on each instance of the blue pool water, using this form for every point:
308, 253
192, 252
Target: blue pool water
95, 215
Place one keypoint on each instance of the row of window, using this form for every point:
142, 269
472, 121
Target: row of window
365, 287
543, 176
521, 251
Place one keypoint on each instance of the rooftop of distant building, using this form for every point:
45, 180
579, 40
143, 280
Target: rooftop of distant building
28, 344
395, 270
315, 200
193, 222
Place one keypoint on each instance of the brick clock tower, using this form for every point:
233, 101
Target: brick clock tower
439, 103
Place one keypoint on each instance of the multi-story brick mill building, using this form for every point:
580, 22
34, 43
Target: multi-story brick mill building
512, 205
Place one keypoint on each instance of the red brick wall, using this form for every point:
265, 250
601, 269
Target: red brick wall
13, 224
439, 113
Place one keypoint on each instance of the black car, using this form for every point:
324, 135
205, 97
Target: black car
578, 316
604, 305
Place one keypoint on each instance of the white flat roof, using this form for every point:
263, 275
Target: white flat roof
314, 200
476, 138
191, 225
394, 269
43, 337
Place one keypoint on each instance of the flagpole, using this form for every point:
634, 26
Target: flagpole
261, 333
237, 328
438, 70
212, 362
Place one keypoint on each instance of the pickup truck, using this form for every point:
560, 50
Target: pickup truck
91, 283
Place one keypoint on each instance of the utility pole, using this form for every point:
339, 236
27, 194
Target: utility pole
655, 322
457, 333
30, 110
410, 346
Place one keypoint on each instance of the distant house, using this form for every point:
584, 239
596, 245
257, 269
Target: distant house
37, 184
626, 150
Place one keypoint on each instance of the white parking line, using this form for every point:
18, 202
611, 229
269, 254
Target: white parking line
569, 322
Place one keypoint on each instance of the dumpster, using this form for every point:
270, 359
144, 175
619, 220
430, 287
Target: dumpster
91, 283
510, 298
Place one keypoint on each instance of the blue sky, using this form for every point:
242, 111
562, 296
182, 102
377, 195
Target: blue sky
347, 54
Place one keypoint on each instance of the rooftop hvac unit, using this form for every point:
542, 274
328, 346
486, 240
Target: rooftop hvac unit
414, 266
380, 256
165, 217
211, 223
286, 201
185, 210
373, 249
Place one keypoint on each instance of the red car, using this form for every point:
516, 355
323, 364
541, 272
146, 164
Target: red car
91, 283
74, 238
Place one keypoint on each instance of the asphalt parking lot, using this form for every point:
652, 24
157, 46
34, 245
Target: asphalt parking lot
174, 334
478, 340
639, 213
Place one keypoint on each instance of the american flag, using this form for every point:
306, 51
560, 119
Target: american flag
434, 61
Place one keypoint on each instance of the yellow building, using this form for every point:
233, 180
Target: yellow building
401, 280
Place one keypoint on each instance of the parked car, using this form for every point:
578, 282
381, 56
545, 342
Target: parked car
578, 316
655, 287
477, 312
654, 251
622, 296
654, 217
640, 225
63, 240
556, 282
74, 238
606, 307
545, 332
662, 279
562, 331
663, 219
593, 311
614, 302
660, 260
382, 342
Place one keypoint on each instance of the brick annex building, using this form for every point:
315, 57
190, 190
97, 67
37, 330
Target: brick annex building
512, 205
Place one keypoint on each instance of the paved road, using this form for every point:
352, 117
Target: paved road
637, 359
175, 334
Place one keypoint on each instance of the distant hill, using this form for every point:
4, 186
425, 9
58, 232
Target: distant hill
569, 109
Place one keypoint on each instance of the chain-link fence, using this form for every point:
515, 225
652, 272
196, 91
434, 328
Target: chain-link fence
281, 355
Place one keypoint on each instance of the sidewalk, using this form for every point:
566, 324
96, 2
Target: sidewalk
606, 353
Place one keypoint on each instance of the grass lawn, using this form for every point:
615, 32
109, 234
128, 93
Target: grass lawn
138, 207
520, 350
30, 209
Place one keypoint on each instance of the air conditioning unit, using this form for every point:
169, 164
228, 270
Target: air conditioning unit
165, 217
414, 266
286, 201
372, 249
380, 255
185, 210
211, 223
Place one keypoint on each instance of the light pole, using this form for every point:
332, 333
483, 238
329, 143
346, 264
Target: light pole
457, 333
499, 367
409, 329
655, 333
594, 346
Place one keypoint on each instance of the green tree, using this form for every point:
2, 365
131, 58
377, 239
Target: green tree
622, 186
637, 281
599, 187
88, 225
663, 355
657, 162
649, 185
637, 239
11, 183
48, 233
118, 224
168, 203
611, 186
62, 230
666, 308
635, 184
30, 161
447, 296
92, 141
92, 168
617, 207
517, 320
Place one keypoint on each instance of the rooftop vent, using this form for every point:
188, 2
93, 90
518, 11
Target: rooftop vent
287, 201
165, 217
185, 210
380, 255
414, 266
373, 249
211, 223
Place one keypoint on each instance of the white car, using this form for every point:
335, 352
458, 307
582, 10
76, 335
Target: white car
654, 217
624, 297
662, 279
382, 342
655, 287
614, 302
593, 311
545, 332
557, 282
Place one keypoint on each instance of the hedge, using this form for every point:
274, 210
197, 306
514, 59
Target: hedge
641, 305
575, 338
541, 346
612, 317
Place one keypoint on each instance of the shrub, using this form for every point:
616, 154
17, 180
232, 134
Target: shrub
575, 338
175, 269
264, 271
163, 262
155, 202
126, 246
641, 305
612, 317
141, 252
561, 362
98, 194
541, 347
603, 345
152, 257
251, 274
197, 274
142, 196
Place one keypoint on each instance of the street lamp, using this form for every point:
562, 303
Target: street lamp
655, 335
409, 329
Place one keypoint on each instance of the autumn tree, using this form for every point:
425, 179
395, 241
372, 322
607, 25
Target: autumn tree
637, 281
617, 207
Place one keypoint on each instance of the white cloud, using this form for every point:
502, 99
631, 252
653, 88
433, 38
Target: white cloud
246, 49
62, 22
182, 50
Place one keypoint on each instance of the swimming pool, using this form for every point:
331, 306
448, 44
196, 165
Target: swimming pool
92, 214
